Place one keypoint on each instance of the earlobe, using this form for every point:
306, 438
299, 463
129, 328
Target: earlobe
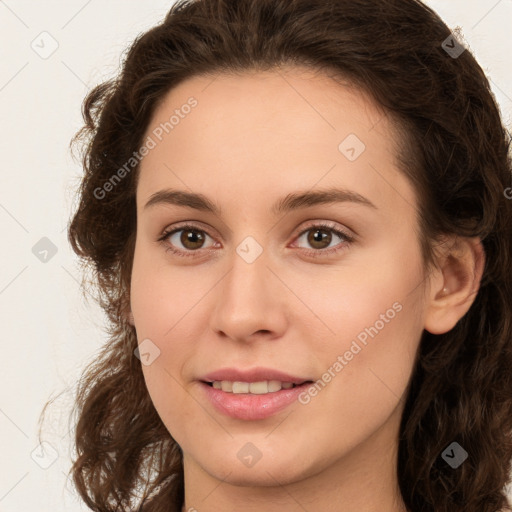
456, 284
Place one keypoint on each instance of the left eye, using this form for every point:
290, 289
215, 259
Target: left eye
320, 237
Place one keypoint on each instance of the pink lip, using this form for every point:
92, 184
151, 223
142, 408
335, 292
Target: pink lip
252, 375
246, 406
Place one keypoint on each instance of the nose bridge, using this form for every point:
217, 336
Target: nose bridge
248, 281
247, 302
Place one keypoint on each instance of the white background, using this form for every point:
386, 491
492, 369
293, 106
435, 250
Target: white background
48, 331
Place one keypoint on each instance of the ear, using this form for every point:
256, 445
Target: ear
454, 284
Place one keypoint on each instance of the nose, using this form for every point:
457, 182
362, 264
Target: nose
251, 302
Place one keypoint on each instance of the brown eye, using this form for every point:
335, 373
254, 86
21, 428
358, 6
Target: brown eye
319, 238
186, 239
192, 238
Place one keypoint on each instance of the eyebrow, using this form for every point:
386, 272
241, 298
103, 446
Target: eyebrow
292, 201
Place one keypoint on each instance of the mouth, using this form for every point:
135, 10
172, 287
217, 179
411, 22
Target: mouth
253, 393
250, 401
262, 387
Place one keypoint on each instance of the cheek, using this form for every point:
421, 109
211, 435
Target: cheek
379, 329
379, 290
367, 365
375, 319
167, 305
176, 407
162, 296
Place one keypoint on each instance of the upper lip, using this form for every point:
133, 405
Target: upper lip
252, 375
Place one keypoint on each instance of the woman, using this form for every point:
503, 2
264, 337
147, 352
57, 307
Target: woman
296, 214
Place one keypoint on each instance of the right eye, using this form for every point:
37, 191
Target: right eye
191, 238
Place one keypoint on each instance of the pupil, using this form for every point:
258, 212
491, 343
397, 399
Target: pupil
319, 235
192, 237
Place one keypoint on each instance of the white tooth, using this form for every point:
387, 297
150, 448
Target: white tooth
240, 387
274, 385
226, 385
258, 388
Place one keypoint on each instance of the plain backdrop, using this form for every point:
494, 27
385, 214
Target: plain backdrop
51, 54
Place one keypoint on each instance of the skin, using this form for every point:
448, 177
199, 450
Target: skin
252, 139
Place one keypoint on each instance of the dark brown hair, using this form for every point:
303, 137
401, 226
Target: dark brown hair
454, 149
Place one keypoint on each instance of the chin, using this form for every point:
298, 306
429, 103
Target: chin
265, 473
270, 477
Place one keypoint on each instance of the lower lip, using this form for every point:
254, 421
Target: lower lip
246, 406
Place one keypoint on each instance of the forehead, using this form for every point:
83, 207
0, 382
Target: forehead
280, 128
266, 99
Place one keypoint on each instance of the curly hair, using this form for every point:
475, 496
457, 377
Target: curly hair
455, 151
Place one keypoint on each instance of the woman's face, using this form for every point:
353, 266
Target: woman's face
306, 269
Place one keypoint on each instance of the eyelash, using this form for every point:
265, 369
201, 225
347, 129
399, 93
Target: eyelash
312, 252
